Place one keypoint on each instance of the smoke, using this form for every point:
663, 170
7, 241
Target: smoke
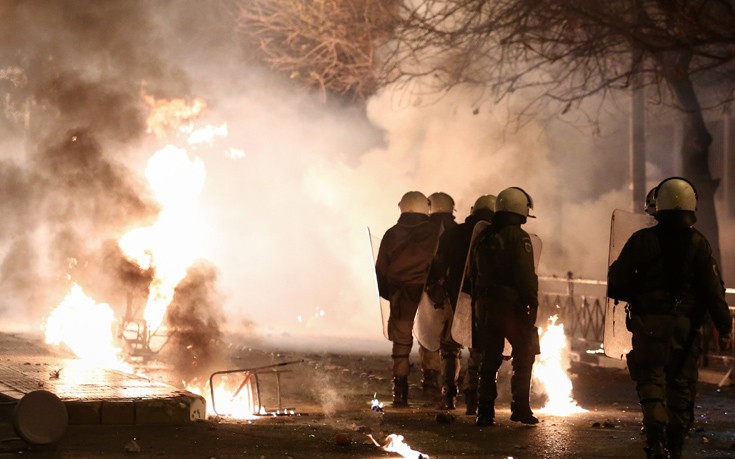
71, 115
195, 347
289, 193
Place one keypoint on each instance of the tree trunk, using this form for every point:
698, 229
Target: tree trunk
695, 146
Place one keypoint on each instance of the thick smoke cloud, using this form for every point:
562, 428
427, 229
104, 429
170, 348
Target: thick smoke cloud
285, 219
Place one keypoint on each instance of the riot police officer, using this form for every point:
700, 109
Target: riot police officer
670, 279
445, 279
401, 268
504, 289
441, 214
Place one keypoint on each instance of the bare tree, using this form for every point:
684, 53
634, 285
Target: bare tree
327, 44
568, 50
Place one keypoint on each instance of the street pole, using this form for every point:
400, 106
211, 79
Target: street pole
637, 153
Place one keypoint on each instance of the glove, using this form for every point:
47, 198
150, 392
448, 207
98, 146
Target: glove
724, 341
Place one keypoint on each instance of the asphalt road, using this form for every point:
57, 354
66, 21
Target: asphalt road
331, 397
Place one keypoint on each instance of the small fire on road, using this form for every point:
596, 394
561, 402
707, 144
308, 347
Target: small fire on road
394, 444
550, 371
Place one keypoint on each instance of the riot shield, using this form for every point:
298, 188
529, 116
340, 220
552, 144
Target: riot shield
616, 337
462, 323
429, 323
382, 302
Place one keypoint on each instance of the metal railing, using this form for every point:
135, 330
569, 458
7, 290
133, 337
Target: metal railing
580, 305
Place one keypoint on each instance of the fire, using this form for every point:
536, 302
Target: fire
173, 243
169, 246
174, 114
395, 444
551, 372
231, 400
86, 328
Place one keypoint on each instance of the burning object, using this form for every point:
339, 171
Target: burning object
550, 370
394, 444
245, 401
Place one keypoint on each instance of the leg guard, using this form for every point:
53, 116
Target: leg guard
520, 387
485, 414
430, 383
449, 398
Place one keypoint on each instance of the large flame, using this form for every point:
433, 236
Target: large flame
169, 246
550, 370
173, 243
86, 328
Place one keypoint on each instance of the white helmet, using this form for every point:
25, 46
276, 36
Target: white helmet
514, 200
650, 205
441, 202
414, 201
676, 193
486, 201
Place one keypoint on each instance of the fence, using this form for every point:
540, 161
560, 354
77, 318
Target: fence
580, 305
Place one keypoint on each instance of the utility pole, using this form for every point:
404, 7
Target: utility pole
637, 150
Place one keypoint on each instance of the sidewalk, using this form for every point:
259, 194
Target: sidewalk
91, 395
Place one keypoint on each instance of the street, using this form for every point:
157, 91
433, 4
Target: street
331, 397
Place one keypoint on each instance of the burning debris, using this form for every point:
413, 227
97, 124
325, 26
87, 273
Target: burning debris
244, 398
394, 444
376, 405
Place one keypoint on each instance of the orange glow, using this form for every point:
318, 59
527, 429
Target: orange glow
173, 243
231, 399
86, 328
169, 246
394, 444
551, 372
175, 114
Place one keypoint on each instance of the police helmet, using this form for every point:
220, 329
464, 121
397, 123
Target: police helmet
414, 201
441, 202
514, 200
676, 193
486, 201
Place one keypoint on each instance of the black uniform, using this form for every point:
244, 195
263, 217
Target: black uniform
504, 288
445, 279
431, 360
669, 278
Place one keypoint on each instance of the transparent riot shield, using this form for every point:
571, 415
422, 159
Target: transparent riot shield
462, 322
429, 323
616, 337
382, 302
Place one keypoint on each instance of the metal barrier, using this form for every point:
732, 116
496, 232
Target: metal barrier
580, 305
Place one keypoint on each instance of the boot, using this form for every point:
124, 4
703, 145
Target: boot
675, 440
449, 398
470, 399
449, 374
400, 391
430, 383
520, 388
522, 413
655, 448
485, 415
